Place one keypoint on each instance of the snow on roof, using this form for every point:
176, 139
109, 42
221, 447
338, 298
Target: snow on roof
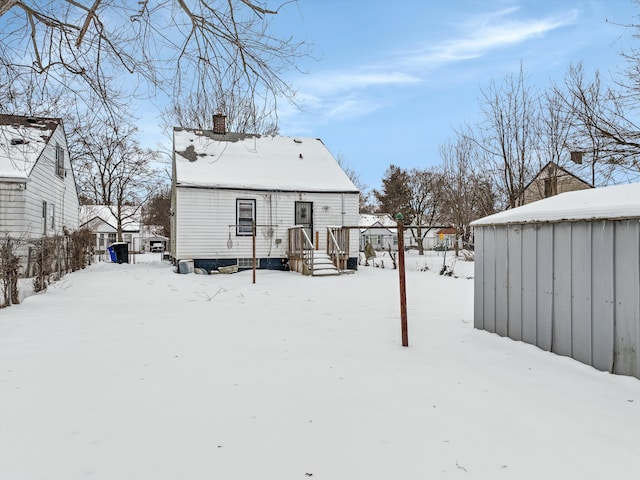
607, 203
376, 219
130, 222
256, 162
22, 140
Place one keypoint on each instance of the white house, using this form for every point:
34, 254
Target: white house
38, 194
563, 273
103, 223
378, 229
290, 187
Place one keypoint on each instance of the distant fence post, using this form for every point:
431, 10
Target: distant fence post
253, 250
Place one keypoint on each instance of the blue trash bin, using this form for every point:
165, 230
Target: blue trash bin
121, 252
112, 254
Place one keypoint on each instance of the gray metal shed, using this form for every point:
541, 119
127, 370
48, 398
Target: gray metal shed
563, 273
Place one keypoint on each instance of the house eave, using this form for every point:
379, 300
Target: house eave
13, 178
262, 189
480, 224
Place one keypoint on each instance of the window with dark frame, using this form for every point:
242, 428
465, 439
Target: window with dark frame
245, 216
44, 217
59, 161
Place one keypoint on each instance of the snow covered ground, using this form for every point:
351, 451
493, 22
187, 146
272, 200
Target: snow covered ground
135, 372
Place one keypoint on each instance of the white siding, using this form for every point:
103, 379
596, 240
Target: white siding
203, 218
59, 192
12, 208
22, 208
571, 288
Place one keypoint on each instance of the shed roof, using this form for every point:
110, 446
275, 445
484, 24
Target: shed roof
22, 140
607, 203
256, 162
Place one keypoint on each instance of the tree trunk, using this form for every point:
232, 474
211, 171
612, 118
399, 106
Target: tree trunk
418, 238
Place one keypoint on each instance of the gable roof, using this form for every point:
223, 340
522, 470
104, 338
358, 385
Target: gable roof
256, 162
22, 140
607, 203
103, 213
377, 220
557, 167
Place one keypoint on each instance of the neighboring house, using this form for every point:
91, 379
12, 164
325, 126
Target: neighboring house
291, 187
445, 238
103, 223
378, 229
429, 240
564, 274
38, 194
551, 180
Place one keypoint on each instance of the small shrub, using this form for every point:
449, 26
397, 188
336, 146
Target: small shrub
9, 269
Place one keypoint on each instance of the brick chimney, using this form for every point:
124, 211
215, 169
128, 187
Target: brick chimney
219, 123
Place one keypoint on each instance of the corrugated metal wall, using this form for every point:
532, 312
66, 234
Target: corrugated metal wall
569, 288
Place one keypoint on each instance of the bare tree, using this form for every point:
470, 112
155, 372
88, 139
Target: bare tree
364, 199
468, 194
604, 138
415, 193
113, 170
184, 47
555, 128
157, 210
426, 203
507, 135
242, 113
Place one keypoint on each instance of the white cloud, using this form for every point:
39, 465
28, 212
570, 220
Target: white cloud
335, 83
358, 91
331, 95
353, 107
483, 34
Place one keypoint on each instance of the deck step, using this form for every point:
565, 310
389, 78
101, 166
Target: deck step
323, 266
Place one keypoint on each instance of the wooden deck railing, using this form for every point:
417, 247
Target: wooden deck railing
300, 251
338, 246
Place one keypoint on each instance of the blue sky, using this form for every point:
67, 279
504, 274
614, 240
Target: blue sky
390, 81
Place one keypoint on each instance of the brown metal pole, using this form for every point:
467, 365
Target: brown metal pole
403, 286
253, 248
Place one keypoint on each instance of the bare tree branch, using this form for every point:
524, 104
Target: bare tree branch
182, 47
